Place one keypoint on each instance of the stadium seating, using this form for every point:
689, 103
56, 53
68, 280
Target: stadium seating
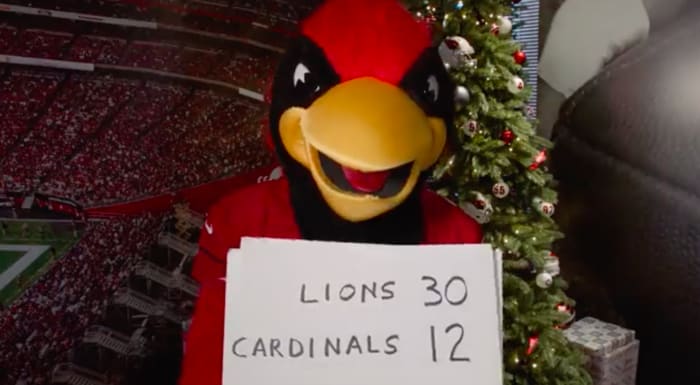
39, 43
7, 37
96, 49
276, 13
150, 147
155, 56
102, 139
196, 62
236, 70
246, 69
22, 94
77, 111
42, 326
110, 137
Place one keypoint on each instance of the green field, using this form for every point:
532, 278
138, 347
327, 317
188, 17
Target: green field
7, 258
61, 237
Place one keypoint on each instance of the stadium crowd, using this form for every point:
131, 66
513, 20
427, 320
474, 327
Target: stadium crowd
102, 139
249, 69
107, 137
40, 328
22, 94
275, 13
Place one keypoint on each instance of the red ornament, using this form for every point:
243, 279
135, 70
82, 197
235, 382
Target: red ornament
532, 344
507, 136
539, 159
519, 57
495, 29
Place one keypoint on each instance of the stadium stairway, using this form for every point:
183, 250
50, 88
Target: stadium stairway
178, 244
145, 304
167, 278
75, 375
112, 340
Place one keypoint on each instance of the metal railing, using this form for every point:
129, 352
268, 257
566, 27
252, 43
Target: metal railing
167, 278
145, 304
178, 244
112, 340
68, 373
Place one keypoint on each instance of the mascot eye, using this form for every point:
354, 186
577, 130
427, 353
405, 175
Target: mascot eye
302, 77
432, 89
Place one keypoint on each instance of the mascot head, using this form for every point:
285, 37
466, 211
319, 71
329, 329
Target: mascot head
361, 107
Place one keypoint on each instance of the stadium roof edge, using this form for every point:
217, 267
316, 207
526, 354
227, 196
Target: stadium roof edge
90, 18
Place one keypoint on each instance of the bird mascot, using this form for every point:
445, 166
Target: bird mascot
361, 109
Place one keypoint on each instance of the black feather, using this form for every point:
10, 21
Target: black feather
316, 220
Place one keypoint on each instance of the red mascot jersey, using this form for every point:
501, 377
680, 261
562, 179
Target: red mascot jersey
264, 210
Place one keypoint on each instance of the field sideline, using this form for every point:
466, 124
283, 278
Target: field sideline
7, 258
30, 253
28, 249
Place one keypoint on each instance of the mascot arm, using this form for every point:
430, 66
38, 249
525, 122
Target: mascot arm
202, 364
210, 261
466, 229
225, 224
447, 223
234, 216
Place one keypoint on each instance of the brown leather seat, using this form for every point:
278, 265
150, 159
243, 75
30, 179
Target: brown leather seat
628, 159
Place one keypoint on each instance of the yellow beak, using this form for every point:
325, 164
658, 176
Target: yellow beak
365, 125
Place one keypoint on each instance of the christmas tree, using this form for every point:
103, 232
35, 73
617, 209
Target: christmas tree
497, 173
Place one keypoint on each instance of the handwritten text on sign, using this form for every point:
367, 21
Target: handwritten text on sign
322, 313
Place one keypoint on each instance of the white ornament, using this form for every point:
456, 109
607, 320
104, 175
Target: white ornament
504, 25
455, 51
470, 128
479, 209
462, 94
516, 84
544, 280
545, 208
551, 265
500, 190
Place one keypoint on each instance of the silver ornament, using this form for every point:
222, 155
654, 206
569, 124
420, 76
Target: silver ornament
462, 94
544, 280
500, 190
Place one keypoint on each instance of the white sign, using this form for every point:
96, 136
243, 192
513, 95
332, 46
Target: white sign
324, 313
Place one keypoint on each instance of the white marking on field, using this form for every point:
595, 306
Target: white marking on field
32, 253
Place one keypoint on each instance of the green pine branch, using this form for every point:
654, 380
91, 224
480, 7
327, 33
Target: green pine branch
517, 227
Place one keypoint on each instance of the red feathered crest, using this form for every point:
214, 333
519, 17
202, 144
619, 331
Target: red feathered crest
377, 38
